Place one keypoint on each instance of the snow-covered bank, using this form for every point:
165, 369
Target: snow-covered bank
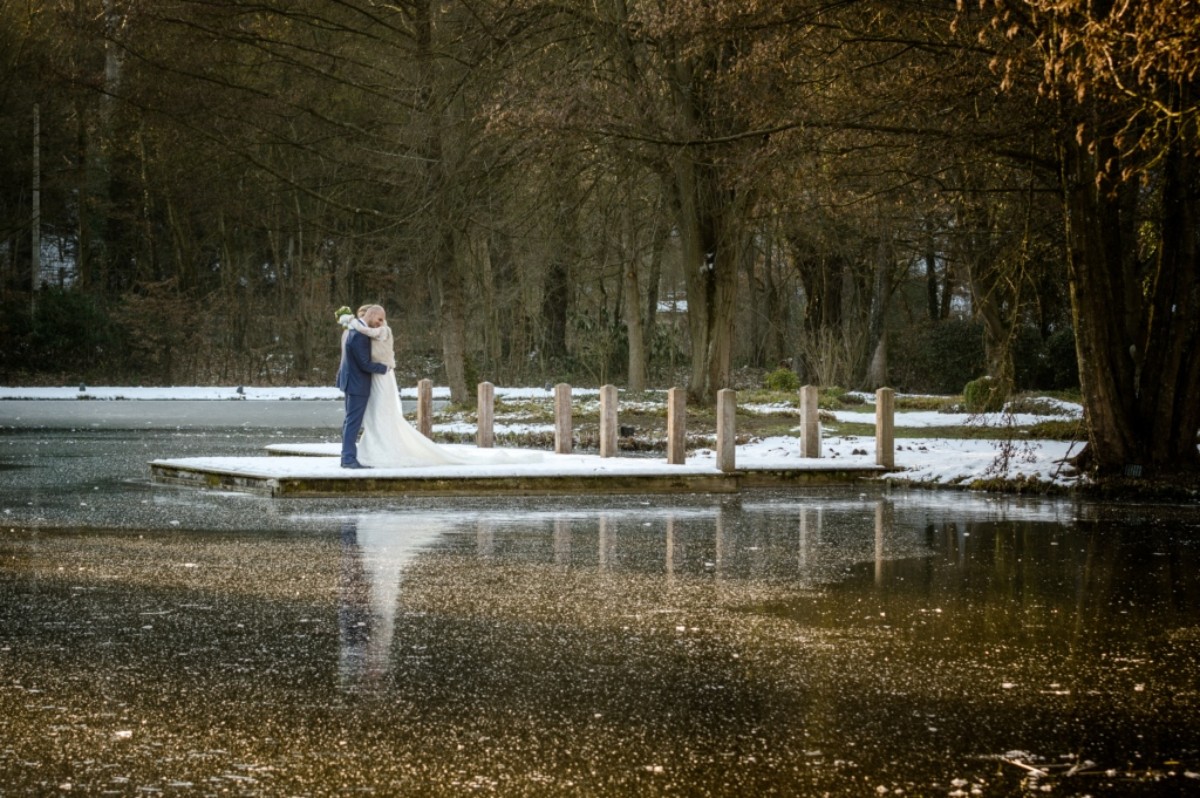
235, 392
934, 461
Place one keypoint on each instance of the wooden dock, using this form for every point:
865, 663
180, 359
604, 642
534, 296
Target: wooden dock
311, 472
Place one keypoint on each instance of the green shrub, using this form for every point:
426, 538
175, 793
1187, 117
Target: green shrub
1062, 363
933, 356
69, 332
1028, 357
984, 395
1045, 363
783, 379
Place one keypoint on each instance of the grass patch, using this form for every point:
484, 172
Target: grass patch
835, 398
1023, 484
1037, 405
764, 396
1072, 395
935, 404
866, 429
1073, 430
939, 404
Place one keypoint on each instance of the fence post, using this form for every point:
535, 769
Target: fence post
885, 427
608, 421
676, 426
726, 437
810, 423
425, 407
485, 434
562, 419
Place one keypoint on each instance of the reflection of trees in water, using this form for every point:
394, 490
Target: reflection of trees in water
670, 547
1035, 582
725, 541
863, 621
1013, 581
594, 566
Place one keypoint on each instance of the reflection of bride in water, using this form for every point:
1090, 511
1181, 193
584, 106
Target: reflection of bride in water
376, 550
388, 440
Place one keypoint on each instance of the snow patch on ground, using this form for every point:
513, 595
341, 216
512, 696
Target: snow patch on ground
923, 460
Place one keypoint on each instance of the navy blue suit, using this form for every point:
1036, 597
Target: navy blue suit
354, 379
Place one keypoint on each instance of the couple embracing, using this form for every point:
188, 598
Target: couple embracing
367, 376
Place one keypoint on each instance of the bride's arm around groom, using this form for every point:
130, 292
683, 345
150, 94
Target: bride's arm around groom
382, 343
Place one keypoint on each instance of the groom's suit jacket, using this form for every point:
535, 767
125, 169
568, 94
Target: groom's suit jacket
354, 375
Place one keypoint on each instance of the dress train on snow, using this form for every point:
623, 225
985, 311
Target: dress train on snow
389, 441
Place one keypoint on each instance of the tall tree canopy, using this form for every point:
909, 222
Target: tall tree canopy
616, 189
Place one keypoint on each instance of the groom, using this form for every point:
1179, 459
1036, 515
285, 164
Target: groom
354, 379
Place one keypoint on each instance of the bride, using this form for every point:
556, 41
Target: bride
388, 440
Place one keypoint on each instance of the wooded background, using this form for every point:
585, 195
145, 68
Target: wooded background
872, 192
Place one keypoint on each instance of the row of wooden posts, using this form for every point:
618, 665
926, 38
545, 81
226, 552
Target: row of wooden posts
810, 425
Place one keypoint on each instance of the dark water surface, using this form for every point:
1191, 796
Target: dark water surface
850, 643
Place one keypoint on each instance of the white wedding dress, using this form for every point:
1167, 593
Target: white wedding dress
389, 441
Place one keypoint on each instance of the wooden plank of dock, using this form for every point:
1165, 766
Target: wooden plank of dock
269, 476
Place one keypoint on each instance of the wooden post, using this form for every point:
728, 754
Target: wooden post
810, 422
670, 547
608, 421
485, 434
563, 444
425, 407
803, 537
884, 521
605, 543
726, 437
885, 427
485, 538
676, 426
719, 541
562, 541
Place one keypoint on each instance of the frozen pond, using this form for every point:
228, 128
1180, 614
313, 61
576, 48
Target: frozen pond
175, 414
157, 640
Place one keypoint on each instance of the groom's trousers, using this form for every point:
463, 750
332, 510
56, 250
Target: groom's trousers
356, 408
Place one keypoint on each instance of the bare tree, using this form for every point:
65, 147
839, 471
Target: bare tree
1123, 78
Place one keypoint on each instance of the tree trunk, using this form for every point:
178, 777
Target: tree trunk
556, 295
994, 292
1137, 324
948, 283
710, 265
881, 294
632, 308
452, 312
35, 238
722, 317
650, 322
1170, 368
931, 280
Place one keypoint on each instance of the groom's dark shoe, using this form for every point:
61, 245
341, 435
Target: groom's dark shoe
355, 464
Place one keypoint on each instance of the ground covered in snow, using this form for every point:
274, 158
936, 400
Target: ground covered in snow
952, 461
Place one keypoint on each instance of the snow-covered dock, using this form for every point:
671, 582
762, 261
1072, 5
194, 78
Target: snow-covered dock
313, 470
